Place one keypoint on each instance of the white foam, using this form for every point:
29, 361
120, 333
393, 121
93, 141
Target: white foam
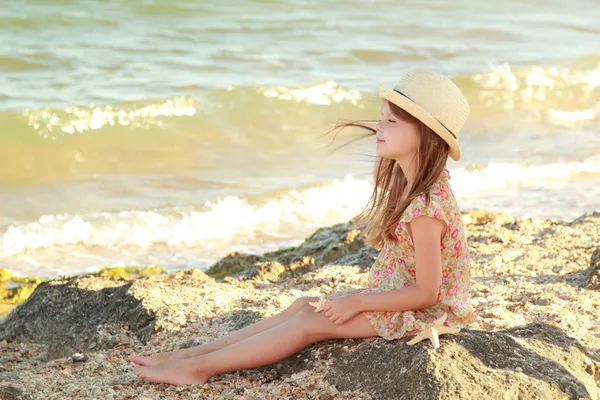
74, 120
232, 222
468, 180
572, 118
566, 95
77, 120
229, 219
324, 94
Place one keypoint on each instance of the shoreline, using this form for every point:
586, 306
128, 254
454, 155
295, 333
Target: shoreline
9, 280
85, 258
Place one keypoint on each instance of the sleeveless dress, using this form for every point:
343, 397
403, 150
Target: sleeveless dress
395, 267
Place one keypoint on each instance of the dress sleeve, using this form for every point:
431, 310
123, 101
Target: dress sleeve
419, 207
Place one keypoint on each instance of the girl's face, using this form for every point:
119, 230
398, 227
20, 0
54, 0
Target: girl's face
396, 138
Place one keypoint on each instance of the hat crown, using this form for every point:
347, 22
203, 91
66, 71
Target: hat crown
437, 95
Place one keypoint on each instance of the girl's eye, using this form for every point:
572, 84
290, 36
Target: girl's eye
392, 121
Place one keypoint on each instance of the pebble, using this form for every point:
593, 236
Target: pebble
557, 269
540, 301
78, 357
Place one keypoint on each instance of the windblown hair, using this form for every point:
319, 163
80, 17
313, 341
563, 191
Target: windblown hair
385, 208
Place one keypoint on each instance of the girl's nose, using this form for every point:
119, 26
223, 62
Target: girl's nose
378, 127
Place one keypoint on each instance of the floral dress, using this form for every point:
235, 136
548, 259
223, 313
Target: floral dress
395, 267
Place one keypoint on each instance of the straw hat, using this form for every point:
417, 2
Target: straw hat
434, 100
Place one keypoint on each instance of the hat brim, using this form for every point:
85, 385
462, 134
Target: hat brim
416, 111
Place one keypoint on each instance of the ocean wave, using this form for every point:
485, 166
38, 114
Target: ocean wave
77, 120
19, 63
52, 124
234, 220
213, 224
477, 179
324, 94
561, 94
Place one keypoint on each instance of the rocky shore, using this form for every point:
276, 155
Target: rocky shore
535, 286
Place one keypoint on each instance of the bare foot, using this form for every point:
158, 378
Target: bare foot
179, 373
156, 359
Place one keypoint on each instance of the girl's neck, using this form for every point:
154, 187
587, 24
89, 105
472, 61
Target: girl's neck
408, 169
405, 193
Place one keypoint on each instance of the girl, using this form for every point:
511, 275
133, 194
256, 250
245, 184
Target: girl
422, 271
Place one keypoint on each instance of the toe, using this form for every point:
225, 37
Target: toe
139, 360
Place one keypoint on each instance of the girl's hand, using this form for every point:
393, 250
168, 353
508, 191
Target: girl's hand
342, 309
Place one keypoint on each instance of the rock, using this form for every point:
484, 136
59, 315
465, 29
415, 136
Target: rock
364, 258
232, 265
73, 314
15, 290
327, 245
536, 361
13, 393
265, 271
9, 376
300, 266
593, 278
243, 318
592, 216
541, 301
78, 357
129, 272
340, 244
482, 217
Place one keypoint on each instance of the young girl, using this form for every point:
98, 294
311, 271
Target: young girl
422, 271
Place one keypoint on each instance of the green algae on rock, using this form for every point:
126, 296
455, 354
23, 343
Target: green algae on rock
129, 272
339, 244
14, 290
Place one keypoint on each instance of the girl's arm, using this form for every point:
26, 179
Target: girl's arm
426, 234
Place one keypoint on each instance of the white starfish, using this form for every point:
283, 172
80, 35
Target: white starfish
318, 305
433, 330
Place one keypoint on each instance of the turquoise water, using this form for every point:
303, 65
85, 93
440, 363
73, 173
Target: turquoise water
147, 132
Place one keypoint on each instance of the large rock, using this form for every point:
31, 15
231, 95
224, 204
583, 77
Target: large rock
536, 361
340, 244
589, 218
75, 314
593, 279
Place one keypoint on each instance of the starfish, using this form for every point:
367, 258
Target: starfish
318, 305
433, 330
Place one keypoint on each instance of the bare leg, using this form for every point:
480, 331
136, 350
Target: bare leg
265, 348
235, 337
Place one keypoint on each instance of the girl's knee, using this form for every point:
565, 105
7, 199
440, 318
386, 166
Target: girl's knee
306, 320
302, 302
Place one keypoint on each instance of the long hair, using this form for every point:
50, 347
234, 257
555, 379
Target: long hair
382, 214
